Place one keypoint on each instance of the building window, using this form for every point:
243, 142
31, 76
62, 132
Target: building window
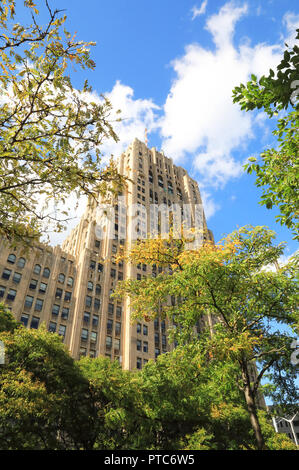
83, 352
116, 346
117, 328
95, 320
84, 334
33, 284
110, 309
17, 278
108, 342
11, 295
21, 263
157, 352
98, 289
28, 301
38, 305
118, 311
42, 287
138, 327
11, 258
86, 317
97, 304
52, 326
145, 346
61, 278
70, 281
90, 285
2, 291
65, 313
138, 345
24, 319
62, 330
58, 293
88, 301
34, 323
97, 243
100, 268
92, 264
109, 326
93, 336
37, 269
46, 273
67, 296
6, 273
139, 363
113, 273
157, 339
145, 330
55, 309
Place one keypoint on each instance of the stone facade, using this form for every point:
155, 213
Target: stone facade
68, 288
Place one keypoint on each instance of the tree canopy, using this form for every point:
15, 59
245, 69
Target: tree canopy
51, 133
277, 168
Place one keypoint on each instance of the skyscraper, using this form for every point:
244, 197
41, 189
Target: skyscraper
69, 287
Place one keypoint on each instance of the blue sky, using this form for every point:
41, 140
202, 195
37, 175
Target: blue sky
170, 66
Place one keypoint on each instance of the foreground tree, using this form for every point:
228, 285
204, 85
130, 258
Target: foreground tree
277, 168
243, 304
50, 132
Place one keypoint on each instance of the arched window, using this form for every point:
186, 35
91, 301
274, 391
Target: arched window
11, 258
90, 285
21, 262
61, 278
37, 269
46, 273
70, 281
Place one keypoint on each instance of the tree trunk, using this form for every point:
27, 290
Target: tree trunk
252, 410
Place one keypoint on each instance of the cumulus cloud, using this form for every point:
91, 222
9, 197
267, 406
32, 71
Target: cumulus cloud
200, 121
291, 23
199, 11
136, 115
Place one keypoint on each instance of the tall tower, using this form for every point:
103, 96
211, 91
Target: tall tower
69, 287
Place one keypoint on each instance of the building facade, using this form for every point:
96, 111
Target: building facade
69, 288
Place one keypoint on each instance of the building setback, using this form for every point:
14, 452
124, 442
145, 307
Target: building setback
69, 288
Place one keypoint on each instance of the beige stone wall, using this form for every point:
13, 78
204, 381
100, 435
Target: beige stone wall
96, 324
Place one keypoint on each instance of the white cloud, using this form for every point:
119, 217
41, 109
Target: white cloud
291, 23
199, 115
199, 11
136, 115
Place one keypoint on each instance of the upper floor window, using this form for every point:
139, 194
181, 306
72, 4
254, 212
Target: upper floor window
46, 273
11, 258
21, 263
70, 281
37, 269
61, 278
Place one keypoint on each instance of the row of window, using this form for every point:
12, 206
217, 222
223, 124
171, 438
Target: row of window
117, 328
85, 335
115, 344
34, 323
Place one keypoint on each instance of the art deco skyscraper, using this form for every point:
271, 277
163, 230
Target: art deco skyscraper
69, 288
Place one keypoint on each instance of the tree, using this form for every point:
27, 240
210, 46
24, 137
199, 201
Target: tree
50, 132
242, 304
277, 168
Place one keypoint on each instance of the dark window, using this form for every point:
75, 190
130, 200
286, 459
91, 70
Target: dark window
88, 301
58, 293
67, 296
37, 269
52, 326
61, 278
28, 301
65, 313
117, 328
145, 346
42, 287
97, 304
92, 264
33, 284
139, 363
2, 291
90, 285
145, 330
34, 322
70, 281
98, 289
111, 308
6, 273
118, 311
16, 278
84, 334
138, 345
24, 319
46, 273
11, 258
138, 327
95, 320
38, 305
86, 317
61, 330
11, 295
100, 267
55, 309
21, 263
